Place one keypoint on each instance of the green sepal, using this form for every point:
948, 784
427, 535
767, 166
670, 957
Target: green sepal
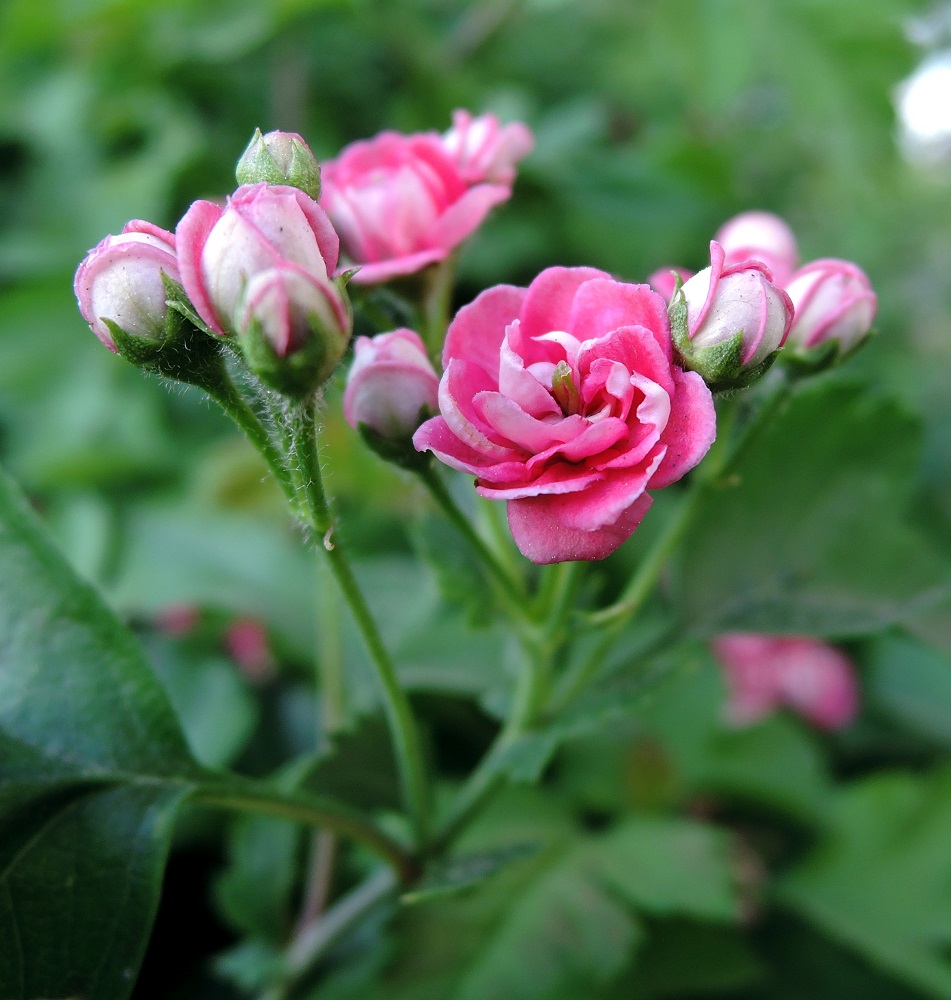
803, 362
183, 350
300, 372
257, 164
399, 451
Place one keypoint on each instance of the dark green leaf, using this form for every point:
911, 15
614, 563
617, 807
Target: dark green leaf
465, 871
93, 765
880, 880
810, 535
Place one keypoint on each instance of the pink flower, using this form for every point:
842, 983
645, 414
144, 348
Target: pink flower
121, 280
401, 202
664, 280
267, 256
760, 236
765, 672
391, 382
736, 319
485, 150
247, 644
562, 399
834, 302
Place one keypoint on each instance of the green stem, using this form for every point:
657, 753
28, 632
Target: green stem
439, 280
511, 587
309, 946
245, 796
403, 729
236, 407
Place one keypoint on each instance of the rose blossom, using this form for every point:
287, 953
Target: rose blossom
562, 399
389, 384
485, 150
765, 672
401, 202
834, 302
121, 280
760, 236
268, 255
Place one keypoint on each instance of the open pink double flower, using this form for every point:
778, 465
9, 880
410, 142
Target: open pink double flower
402, 202
563, 400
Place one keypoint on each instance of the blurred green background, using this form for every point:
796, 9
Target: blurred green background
655, 121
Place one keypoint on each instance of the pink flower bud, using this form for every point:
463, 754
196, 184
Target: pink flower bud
765, 672
760, 236
121, 281
664, 280
247, 644
485, 150
280, 158
834, 303
403, 202
261, 267
392, 386
736, 319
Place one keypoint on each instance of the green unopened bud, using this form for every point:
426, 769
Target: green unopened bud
280, 158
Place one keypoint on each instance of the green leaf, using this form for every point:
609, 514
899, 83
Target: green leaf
881, 879
465, 871
810, 534
912, 683
92, 767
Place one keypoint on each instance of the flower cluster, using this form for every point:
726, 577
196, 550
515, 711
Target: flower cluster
571, 399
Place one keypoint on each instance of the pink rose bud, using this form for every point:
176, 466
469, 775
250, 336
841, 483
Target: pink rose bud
392, 386
402, 202
728, 322
760, 236
122, 281
765, 672
834, 304
664, 280
562, 399
280, 158
247, 644
261, 268
485, 150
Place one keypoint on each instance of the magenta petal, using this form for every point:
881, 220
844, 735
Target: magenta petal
521, 385
549, 298
636, 348
690, 431
380, 271
436, 436
190, 238
605, 305
477, 332
543, 538
604, 502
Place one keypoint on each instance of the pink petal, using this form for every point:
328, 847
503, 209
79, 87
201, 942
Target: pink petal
605, 305
467, 214
191, 235
521, 385
460, 384
376, 273
550, 296
478, 329
690, 431
436, 436
542, 537
635, 347
511, 422
604, 502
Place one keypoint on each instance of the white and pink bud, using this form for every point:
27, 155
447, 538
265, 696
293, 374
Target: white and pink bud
280, 158
728, 322
392, 386
261, 269
834, 303
122, 281
767, 672
485, 150
760, 236
664, 280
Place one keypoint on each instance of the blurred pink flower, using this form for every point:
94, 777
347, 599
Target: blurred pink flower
563, 400
484, 149
247, 644
760, 236
664, 280
834, 302
402, 202
766, 672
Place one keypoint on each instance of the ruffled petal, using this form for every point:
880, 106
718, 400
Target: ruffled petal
548, 302
690, 431
478, 329
605, 305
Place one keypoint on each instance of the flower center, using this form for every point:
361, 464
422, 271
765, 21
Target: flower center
564, 390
